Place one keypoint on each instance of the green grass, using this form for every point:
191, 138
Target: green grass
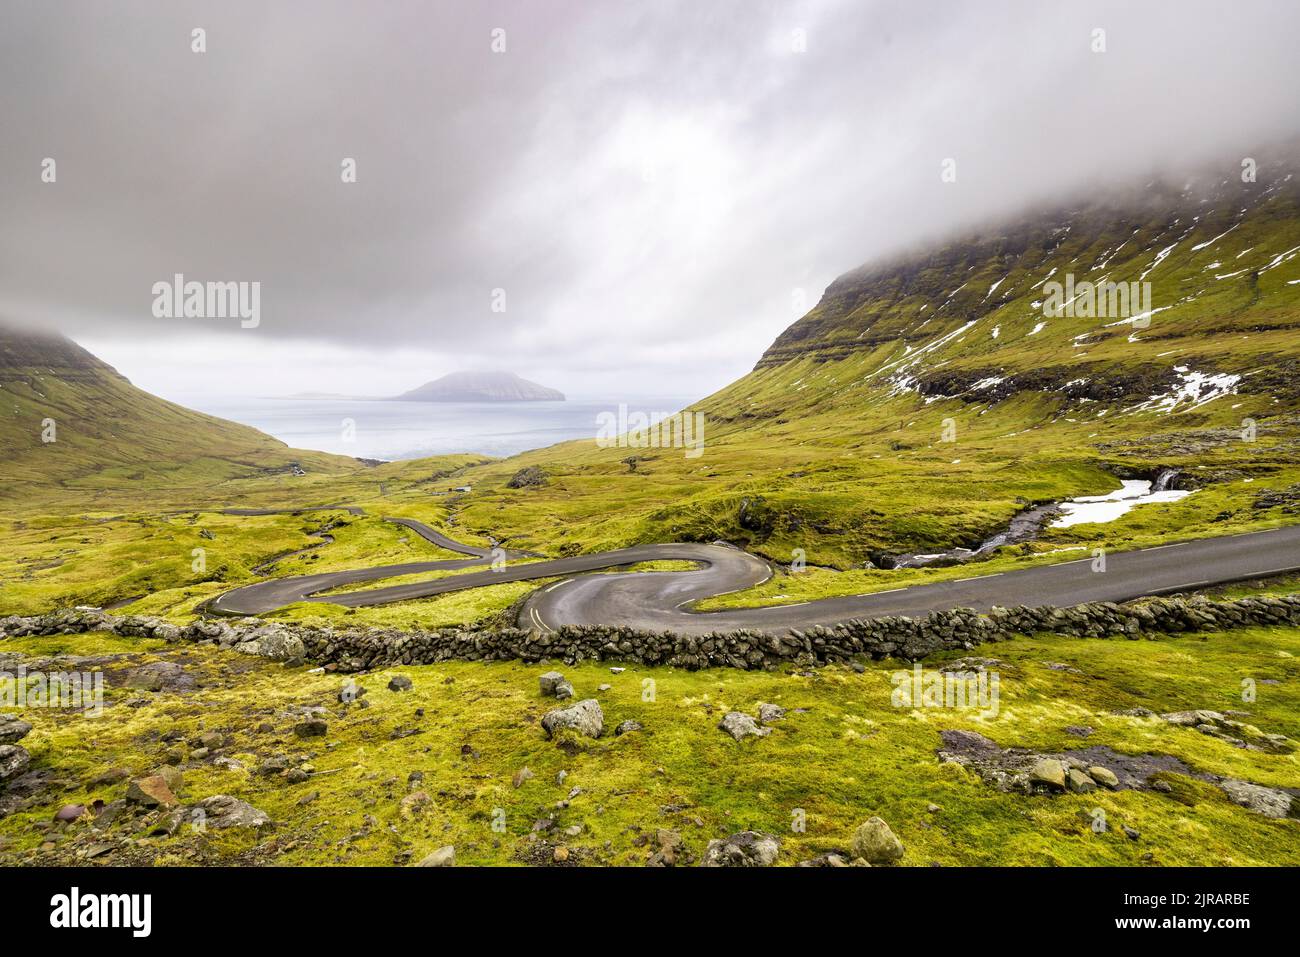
851, 755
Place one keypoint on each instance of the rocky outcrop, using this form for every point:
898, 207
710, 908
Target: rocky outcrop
364, 648
530, 476
746, 849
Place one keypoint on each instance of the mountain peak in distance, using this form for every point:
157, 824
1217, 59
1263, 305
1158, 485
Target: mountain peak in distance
481, 387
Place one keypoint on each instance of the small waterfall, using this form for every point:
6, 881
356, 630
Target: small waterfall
1164, 479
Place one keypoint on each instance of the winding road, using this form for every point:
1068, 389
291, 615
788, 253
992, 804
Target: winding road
662, 601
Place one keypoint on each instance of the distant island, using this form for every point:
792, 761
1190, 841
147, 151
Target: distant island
481, 387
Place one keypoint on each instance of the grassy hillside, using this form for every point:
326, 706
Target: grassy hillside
926, 400
108, 438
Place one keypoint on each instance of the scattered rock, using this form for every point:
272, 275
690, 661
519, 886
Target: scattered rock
585, 717
69, 812
627, 726
14, 760
746, 849
311, 728
1049, 773
1079, 782
13, 729
151, 792
222, 811
414, 803
1103, 776
768, 713
522, 775
350, 692
110, 777
400, 683
1270, 802
555, 685
530, 476
876, 843
740, 725
442, 857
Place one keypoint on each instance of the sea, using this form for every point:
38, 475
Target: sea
392, 430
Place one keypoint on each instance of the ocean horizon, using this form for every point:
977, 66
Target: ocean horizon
394, 430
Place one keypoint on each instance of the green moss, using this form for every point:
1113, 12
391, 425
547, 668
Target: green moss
847, 755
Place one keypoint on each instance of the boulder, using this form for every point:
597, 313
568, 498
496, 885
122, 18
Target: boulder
1104, 776
152, 791
746, 849
740, 725
585, 717
222, 811
1049, 773
1270, 802
13, 761
876, 843
13, 729
442, 857
530, 476
1079, 782
553, 684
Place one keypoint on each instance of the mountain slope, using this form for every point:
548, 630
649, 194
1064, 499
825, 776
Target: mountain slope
107, 434
482, 387
928, 399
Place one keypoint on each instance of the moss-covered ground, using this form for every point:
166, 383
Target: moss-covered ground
842, 754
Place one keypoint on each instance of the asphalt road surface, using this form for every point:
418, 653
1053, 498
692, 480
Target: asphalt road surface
661, 601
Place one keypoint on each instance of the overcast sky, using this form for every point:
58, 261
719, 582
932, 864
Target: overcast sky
654, 184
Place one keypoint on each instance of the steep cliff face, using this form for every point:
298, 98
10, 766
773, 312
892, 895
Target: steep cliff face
482, 387
1211, 266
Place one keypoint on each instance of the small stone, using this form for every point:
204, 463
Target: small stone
627, 726
151, 792
740, 725
549, 682
13, 729
308, 798
109, 777
522, 775
211, 740
560, 854
414, 803
1103, 776
400, 683
585, 718
350, 692
1132, 833
223, 811
603, 688
296, 776
876, 843
14, 760
70, 812
1048, 772
768, 713
746, 849
442, 857
617, 671
312, 728
1078, 782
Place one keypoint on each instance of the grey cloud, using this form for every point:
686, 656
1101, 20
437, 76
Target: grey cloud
649, 182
